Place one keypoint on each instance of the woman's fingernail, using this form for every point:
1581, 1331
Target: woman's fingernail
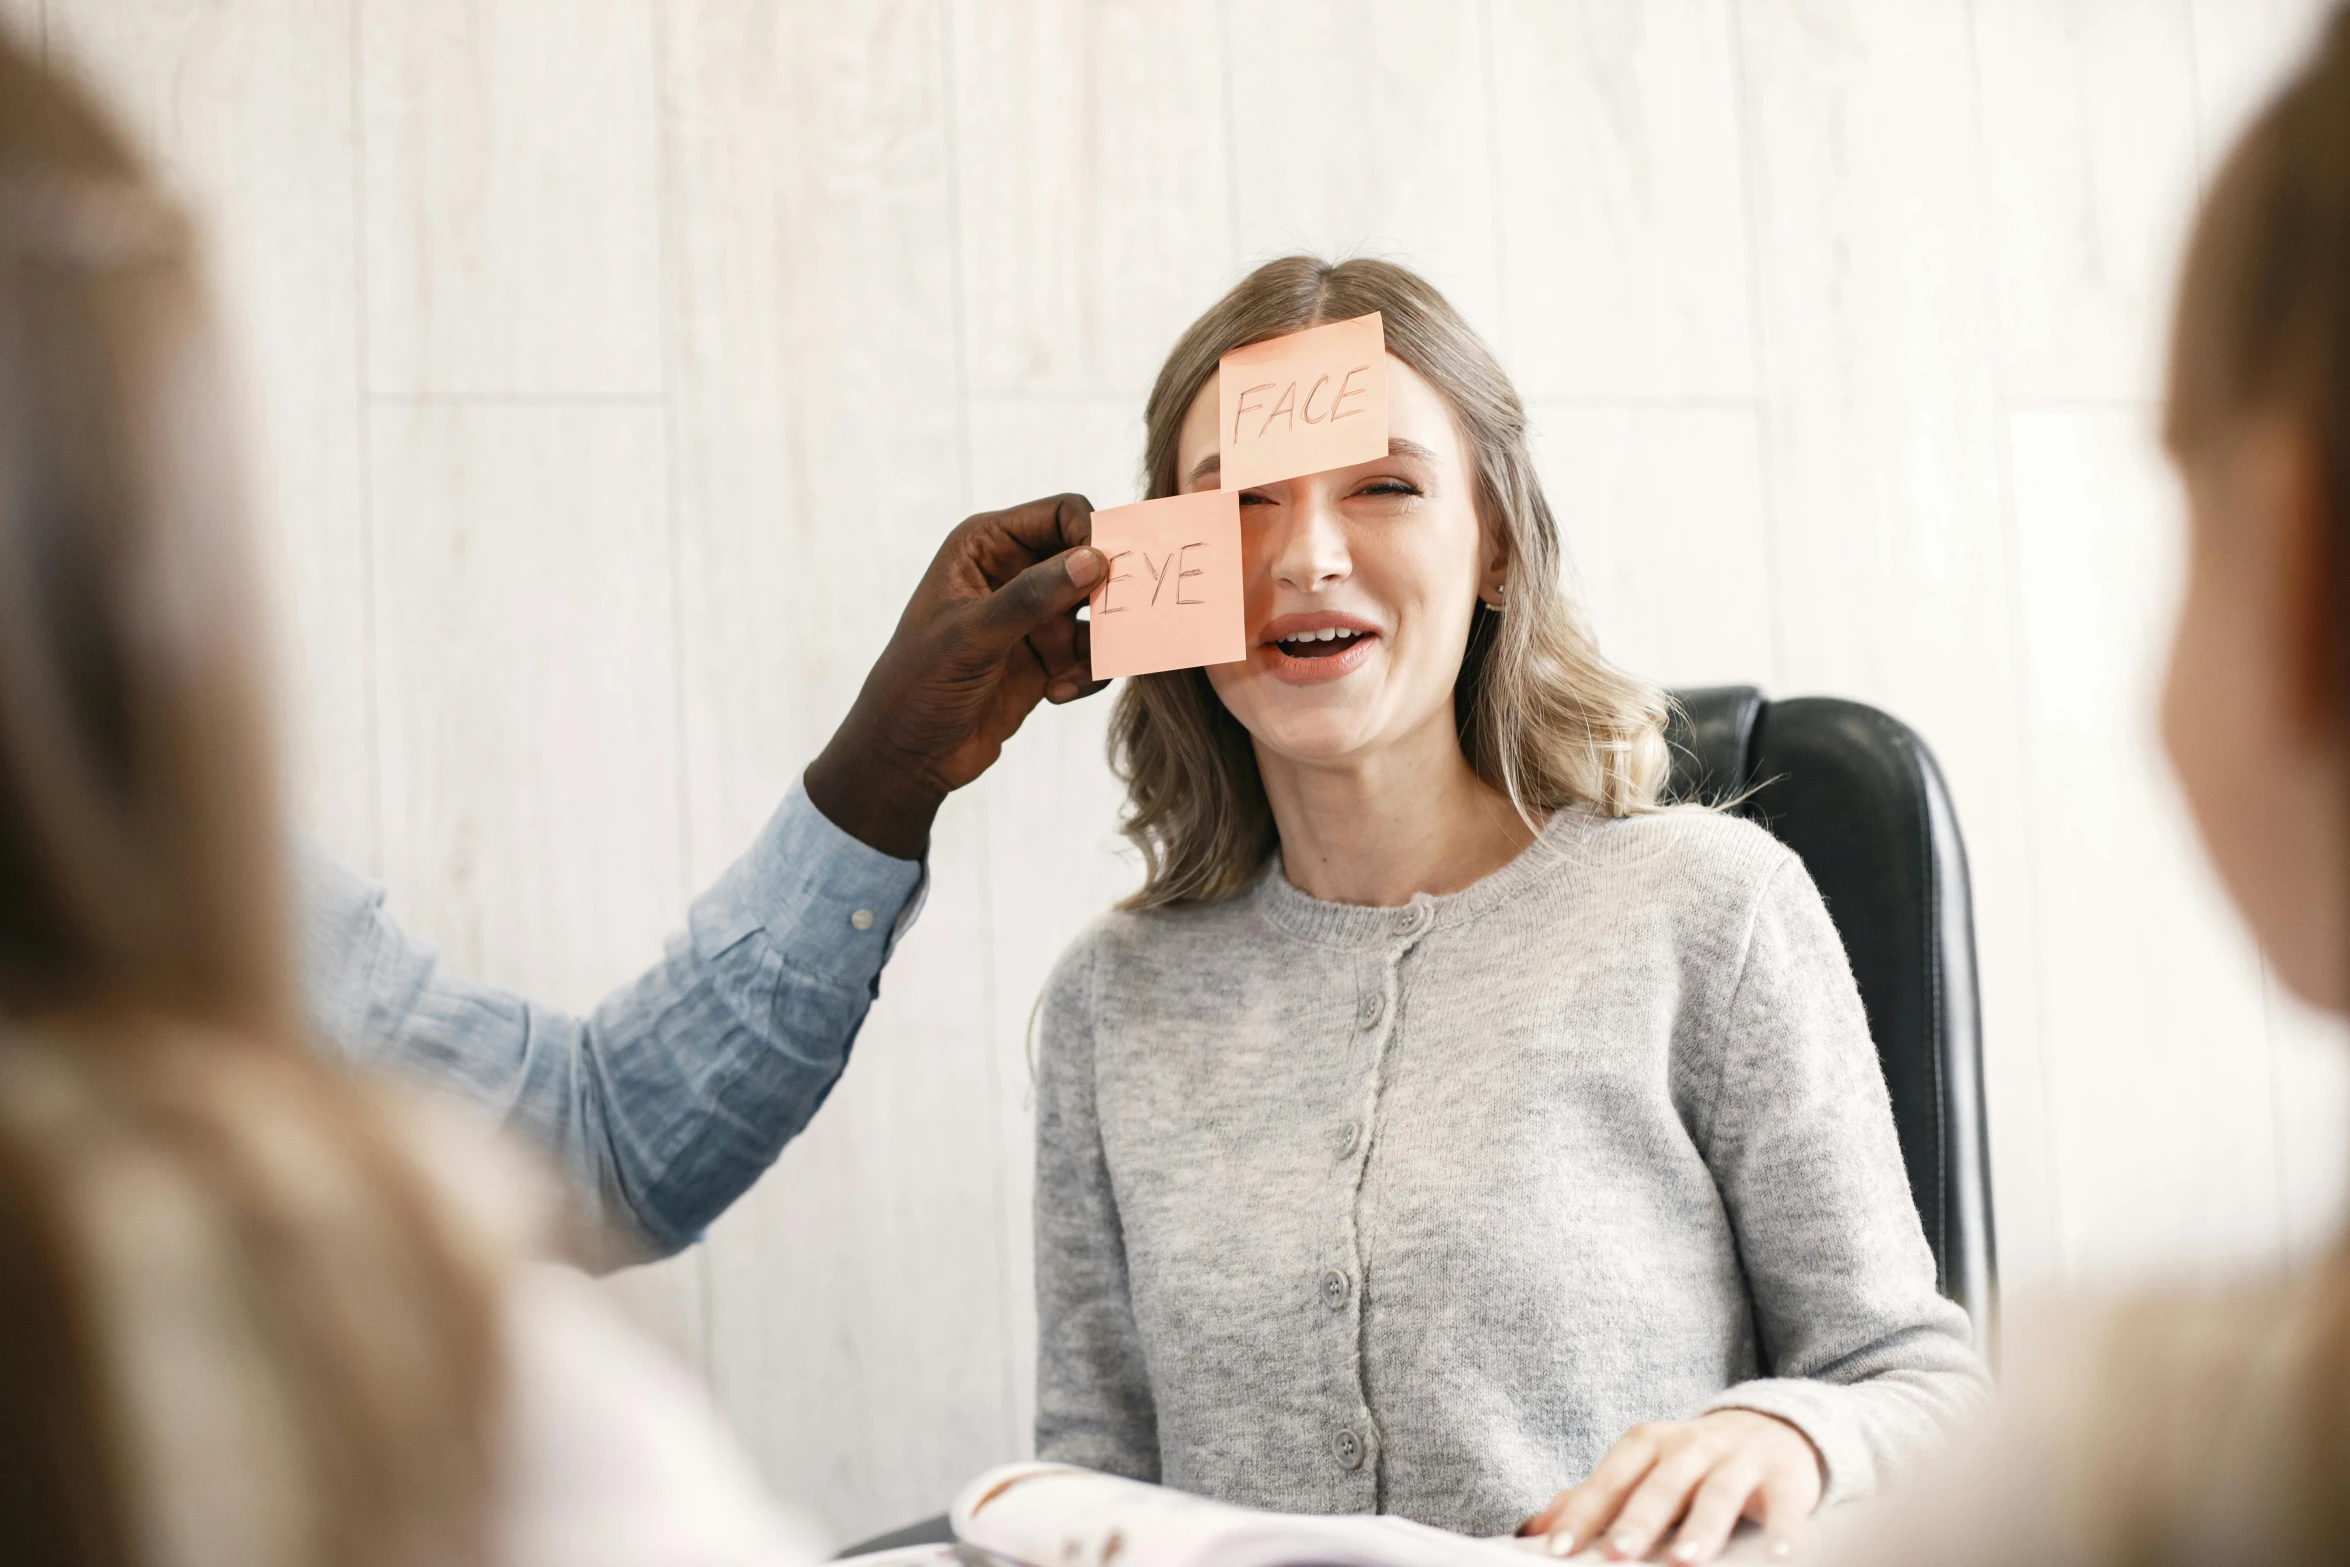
1562, 1543
1782, 1549
1061, 692
1686, 1551
1085, 567
1623, 1544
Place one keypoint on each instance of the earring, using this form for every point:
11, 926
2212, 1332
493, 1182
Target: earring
1495, 603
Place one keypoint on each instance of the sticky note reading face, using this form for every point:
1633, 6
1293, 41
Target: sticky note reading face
1173, 597
1299, 404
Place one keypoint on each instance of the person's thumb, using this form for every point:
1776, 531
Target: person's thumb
1048, 588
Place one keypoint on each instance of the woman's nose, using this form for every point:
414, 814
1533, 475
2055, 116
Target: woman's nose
1308, 544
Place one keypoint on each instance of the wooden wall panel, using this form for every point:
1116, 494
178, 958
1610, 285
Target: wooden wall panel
2151, 991
1621, 199
1090, 163
528, 689
1366, 128
2087, 110
816, 418
512, 196
1667, 544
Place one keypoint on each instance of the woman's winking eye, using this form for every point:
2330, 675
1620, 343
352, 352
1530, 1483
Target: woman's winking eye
1384, 487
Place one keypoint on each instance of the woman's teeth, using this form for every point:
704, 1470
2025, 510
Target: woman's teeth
1325, 643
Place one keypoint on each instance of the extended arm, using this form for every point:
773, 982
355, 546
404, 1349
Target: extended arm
679, 1090
1867, 1359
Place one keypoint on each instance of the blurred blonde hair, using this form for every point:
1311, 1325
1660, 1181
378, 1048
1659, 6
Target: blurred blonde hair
236, 1322
1541, 716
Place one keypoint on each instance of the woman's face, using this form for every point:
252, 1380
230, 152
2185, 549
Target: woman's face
1360, 584
2250, 711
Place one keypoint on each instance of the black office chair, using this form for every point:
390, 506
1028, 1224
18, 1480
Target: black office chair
1855, 793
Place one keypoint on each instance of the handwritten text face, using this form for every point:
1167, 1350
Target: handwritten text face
1172, 599
1304, 403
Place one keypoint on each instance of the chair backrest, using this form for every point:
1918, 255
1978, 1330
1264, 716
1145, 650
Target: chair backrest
1855, 793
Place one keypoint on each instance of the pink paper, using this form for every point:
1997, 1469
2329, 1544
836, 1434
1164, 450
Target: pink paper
1173, 597
1313, 400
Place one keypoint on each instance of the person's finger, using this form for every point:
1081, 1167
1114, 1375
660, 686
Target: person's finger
1071, 674
1715, 1510
1008, 541
1660, 1499
1061, 645
1049, 588
1583, 1510
1788, 1496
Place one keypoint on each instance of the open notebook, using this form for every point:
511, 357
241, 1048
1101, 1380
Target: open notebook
1053, 1515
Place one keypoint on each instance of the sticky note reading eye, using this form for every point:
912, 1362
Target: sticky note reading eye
1173, 597
1299, 404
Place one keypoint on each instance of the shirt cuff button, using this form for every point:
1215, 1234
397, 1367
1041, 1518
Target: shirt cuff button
862, 919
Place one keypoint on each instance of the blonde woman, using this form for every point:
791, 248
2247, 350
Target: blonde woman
1443, 1124
252, 1314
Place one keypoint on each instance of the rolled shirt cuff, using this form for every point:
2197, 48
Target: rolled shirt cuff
834, 905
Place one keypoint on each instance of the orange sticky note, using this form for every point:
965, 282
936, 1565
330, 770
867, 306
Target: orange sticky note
1173, 595
1299, 404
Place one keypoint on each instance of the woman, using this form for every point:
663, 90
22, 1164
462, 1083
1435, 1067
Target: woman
2216, 1429
244, 1319
1441, 1111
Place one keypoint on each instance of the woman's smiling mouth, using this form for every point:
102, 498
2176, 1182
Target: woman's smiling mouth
1310, 649
1326, 643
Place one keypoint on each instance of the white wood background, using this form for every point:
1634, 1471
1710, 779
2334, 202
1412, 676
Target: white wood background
616, 364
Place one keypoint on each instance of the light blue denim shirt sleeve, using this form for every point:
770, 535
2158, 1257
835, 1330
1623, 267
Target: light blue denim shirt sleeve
681, 1088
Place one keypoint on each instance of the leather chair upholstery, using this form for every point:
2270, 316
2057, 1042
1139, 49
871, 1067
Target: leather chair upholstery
1855, 793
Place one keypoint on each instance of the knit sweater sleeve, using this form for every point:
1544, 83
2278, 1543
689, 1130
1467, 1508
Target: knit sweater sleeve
1093, 1394
1865, 1357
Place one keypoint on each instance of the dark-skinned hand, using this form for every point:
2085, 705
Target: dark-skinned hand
991, 630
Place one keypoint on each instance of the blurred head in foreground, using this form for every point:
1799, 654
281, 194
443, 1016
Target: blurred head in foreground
2222, 1428
2257, 710
233, 1326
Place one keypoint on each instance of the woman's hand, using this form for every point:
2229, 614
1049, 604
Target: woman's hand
1705, 1473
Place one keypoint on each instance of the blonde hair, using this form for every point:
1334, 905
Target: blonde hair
236, 1321
1541, 716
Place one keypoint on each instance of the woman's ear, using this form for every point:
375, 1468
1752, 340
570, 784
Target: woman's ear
1493, 579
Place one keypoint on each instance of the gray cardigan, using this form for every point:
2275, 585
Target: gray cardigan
1417, 1210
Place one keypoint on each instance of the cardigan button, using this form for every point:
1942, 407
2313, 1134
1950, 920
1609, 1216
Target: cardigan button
1410, 921
1348, 1136
1373, 1008
1349, 1448
1336, 1286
